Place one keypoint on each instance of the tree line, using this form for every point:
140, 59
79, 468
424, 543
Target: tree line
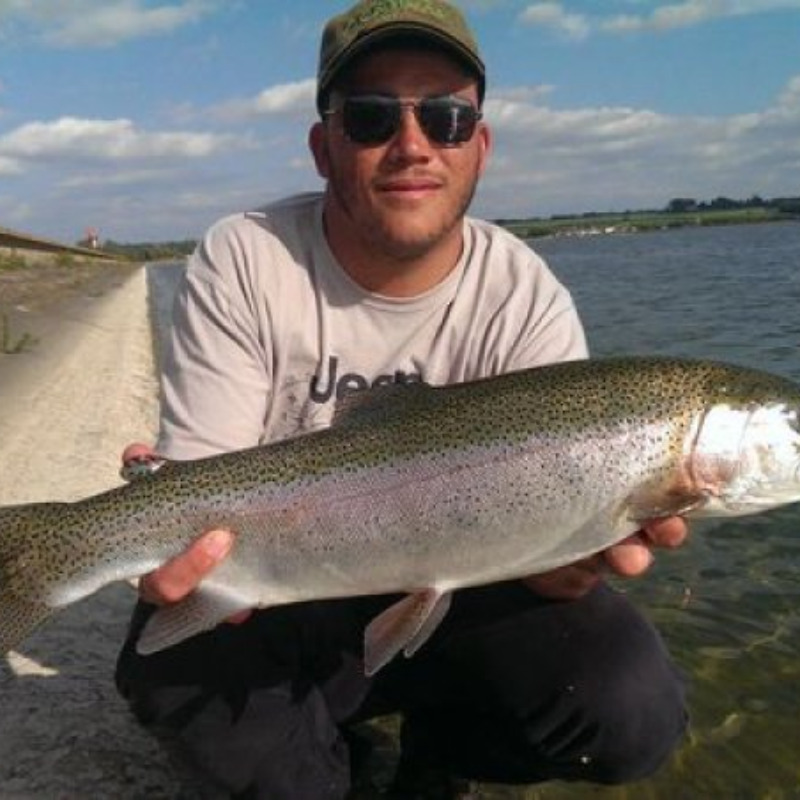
683, 205
147, 251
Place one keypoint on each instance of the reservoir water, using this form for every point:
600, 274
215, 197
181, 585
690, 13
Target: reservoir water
728, 603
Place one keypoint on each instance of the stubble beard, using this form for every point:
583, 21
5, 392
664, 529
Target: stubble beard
378, 236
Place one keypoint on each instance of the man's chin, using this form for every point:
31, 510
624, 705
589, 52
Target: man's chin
407, 248
408, 237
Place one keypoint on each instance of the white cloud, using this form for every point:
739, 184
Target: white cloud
118, 139
554, 16
9, 166
790, 97
693, 12
284, 99
98, 23
127, 178
550, 161
526, 93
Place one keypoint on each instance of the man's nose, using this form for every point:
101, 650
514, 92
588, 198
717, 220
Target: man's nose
410, 138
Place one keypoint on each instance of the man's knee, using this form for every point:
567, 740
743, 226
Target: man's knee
627, 728
621, 710
582, 690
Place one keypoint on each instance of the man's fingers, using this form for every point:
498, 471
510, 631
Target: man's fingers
137, 451
630, 557
634, 555
181, 575
669, 532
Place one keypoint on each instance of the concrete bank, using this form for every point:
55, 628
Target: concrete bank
67, 408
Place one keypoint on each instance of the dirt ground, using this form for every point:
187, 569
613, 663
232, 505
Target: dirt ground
80, 388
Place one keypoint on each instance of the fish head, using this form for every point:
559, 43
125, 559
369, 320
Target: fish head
746, 455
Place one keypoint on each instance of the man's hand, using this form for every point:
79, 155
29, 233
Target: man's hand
181, 575
628, 558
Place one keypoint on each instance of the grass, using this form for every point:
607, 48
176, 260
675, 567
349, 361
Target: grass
12, 261
639, 221
66, 260
11, 344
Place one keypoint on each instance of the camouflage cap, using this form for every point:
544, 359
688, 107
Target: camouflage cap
369, 21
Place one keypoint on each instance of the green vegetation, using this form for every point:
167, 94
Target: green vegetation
150, 251
12, 261
13, 345
65, 260
679, 213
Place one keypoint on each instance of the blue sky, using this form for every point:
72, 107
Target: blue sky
149, 119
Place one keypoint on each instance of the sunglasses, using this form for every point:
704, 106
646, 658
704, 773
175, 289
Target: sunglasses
373, 119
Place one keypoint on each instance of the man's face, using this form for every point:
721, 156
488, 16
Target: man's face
403, 197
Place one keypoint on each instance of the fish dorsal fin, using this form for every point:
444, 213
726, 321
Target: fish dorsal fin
377, 403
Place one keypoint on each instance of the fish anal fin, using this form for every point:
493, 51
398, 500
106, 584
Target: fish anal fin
18, 618
201, 611
406, 625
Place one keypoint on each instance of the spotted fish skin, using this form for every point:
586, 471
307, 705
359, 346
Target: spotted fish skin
423, 490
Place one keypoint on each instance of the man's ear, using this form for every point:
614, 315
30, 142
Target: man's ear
486, 144
318, 144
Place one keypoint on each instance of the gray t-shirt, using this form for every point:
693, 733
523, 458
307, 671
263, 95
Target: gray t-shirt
269, 330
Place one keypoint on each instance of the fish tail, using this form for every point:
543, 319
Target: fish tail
22, 606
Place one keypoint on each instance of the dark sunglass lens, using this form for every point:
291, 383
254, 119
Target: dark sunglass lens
370, 120
448, 121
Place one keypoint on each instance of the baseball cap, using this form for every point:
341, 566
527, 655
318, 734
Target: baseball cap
349, 34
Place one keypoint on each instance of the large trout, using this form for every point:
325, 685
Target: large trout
423, 490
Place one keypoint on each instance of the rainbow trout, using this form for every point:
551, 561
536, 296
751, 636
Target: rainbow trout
421, 491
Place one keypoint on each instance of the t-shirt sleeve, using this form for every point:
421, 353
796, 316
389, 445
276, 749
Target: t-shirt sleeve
214, 384
554, 333
524, 316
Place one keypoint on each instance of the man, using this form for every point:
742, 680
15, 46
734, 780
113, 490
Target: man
382, 278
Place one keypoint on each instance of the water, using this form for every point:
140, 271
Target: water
731, 293
728, 603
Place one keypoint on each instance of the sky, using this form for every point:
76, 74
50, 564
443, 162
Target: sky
150, 119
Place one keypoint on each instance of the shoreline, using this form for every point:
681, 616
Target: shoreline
610, 224
69, 404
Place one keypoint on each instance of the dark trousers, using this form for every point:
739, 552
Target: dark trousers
512, 688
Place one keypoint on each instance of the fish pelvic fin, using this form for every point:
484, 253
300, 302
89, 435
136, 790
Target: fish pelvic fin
23, 570
405, 626
204, 609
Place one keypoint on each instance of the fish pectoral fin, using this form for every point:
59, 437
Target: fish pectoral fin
201, 611
657, 505
406, 626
